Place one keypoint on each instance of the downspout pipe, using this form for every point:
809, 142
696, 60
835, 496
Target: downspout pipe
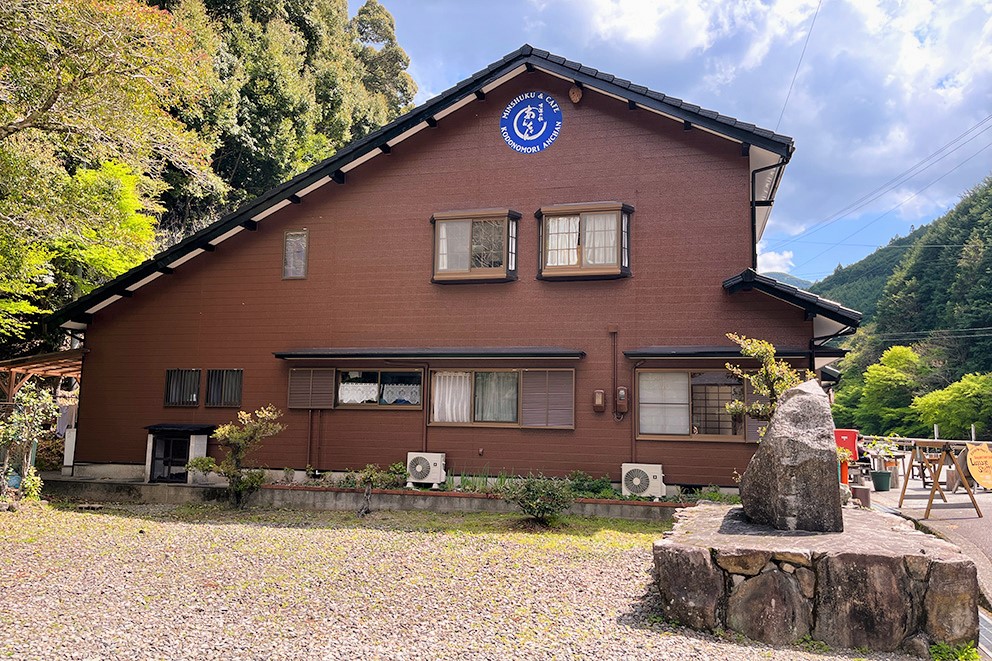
755, 203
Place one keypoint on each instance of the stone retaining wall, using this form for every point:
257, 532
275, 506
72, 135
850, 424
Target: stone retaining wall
880, 584
324, 498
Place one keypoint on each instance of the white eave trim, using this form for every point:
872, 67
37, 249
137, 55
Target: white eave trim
271, 210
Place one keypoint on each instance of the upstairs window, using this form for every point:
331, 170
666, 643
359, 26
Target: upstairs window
224, 388
585, 241
294, 260
182, 387
475, 246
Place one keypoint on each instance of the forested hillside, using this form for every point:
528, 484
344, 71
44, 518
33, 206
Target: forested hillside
127, 125
860, 285
926, 357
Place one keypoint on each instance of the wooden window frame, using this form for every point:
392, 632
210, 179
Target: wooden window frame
621, 269
710, 438
224, 371
510, 233
306, 253
499, 425
377, 406
186, 405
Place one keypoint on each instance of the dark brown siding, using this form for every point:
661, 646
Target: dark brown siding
368, 284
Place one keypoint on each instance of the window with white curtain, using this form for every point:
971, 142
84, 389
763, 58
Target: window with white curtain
495, 396
546, 397
379, 388
682, 403
585, 240
475, 245
451, 397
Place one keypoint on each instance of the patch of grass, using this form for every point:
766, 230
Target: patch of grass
809, 644
963, 652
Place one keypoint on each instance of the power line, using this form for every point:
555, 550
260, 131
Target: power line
875, 220
900, 178
798, 64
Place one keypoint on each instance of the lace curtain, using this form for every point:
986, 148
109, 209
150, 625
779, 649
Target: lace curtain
496, 396
599, 239
563, 241
451, 395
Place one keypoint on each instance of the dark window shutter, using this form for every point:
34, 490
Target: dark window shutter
311, 388
547, 398
561, 399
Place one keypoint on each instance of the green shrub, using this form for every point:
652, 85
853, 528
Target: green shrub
540, 498
31, 484
585, 485
945, 652
239, 439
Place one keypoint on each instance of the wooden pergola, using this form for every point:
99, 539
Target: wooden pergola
15, 372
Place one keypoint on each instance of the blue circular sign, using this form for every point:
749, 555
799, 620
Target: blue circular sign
531, 122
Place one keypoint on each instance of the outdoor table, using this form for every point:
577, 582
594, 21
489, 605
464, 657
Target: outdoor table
919, 452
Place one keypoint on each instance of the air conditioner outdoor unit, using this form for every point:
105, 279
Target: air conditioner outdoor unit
643, 480
425, 467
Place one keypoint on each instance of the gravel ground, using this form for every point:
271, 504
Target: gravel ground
157, 582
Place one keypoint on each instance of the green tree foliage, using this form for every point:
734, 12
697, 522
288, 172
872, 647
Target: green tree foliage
298, 81
34, 410
88, 89
945, 282
958, 406
859, 285
883, 405
239, 439
769, 381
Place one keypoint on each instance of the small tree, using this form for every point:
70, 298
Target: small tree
240, 438
540, 498
34, 409
770, 380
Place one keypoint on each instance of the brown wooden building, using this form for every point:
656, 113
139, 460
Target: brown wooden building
481, 278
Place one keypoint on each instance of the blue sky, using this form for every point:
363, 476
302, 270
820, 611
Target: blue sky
882, 87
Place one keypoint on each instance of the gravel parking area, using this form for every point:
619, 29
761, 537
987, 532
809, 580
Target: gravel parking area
162, 582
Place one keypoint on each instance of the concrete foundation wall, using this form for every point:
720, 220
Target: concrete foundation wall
337, 499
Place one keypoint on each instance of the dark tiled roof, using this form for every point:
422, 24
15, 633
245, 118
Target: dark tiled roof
380, 353
331, 167
749, 280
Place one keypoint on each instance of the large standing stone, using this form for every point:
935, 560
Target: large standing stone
791, 482
864, 601
770, 608
952, 602
692, 588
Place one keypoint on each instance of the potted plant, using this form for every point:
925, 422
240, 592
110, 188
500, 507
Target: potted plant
883, 451
844, 456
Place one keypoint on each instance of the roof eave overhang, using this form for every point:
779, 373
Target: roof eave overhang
721, 353
846, 320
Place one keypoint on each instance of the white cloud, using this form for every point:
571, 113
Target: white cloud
771, 261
